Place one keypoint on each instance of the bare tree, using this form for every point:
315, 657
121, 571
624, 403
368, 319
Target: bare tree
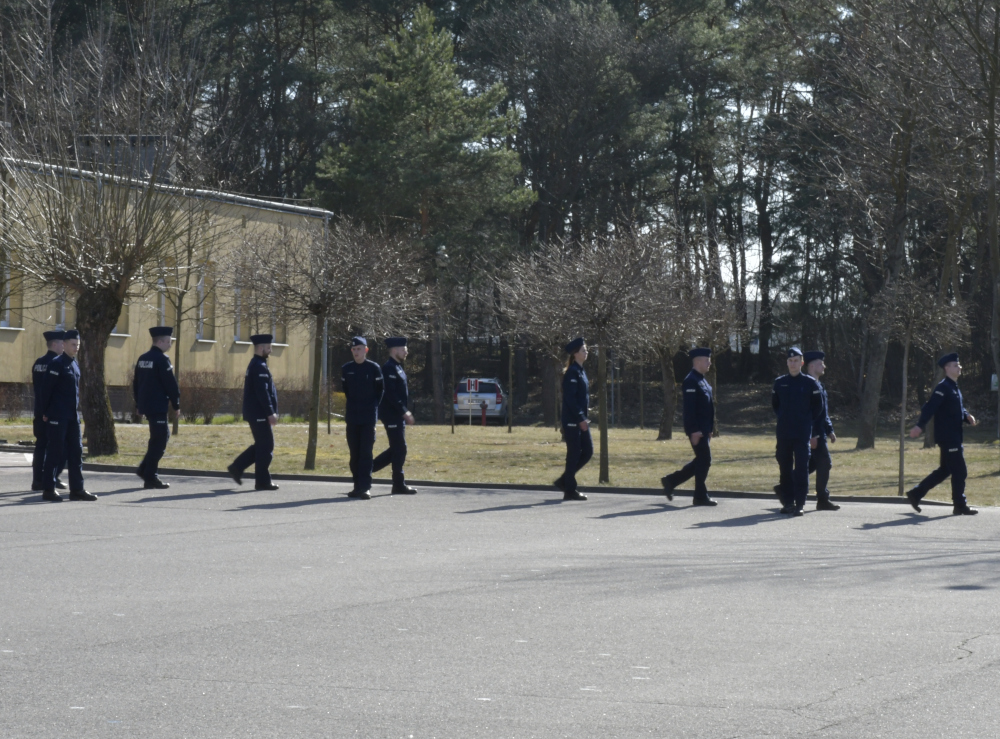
355, 278
599, 288
90, 141
185, 274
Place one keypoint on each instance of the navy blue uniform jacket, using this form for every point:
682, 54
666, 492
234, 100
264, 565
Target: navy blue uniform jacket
948, 411
61, 396
576, 395
260, 399
154, 383
39, 377
699, 406
798, 403
393, 406
363, 386
824, 426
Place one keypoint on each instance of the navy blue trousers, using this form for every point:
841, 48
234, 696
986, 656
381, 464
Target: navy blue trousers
952, 463
41, 431
793, 461
64, 449
396, 453
360, 441
696, 468
159, 434
821, 463
259, 454
579, 450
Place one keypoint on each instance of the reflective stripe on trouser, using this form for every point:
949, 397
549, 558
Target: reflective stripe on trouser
952, 462
259, 454
360, 440
793, 461
64, 448
395, 454
159, 435
579, 450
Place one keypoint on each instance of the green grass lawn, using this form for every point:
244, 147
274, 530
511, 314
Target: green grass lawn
534, 455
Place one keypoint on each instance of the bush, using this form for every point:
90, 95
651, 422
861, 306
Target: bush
13, 399
202, 395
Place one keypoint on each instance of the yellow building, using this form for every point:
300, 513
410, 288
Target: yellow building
214, 330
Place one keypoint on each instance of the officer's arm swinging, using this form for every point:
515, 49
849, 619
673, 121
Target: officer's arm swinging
927, 412
169, 384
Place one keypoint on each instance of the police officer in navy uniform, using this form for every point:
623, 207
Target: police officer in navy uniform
153, 386
575, 418
797, 400
363, 386
820, 461
948, 411
395, 415
260, 410
39, 377
699, 417
60, 404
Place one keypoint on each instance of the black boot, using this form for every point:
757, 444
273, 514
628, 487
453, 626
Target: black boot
360, 494
574, 495
914, 499
403, 489
235, 474
81, 495
824, 504
155, 484
964, 510
52, 496
668, 486
703, 501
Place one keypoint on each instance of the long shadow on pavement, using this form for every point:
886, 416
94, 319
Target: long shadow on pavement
192, 496
295, 503
751, 520
910, 520
551, 501
654, 508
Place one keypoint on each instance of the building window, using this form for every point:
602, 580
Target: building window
65, 313
206, 307
241, 324
10, 297
122, 326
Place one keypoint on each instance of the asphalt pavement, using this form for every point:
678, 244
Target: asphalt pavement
208, 610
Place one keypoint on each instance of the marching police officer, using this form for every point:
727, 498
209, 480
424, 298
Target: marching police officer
395, 415
699, 417
260, 410
820, 461
152, 387
947, 409
363, 385
60, 403
575, 421
797, 402
39, 377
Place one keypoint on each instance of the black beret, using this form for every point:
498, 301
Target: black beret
261, 339
574, 346
953, 357
395, 341
54, 335
359, 341
794, 352
700, 351
72, 334
156, 331
814, 355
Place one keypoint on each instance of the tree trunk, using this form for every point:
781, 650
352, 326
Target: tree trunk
669, 397
602, 408
437, 372
550, 379
177, 355
454, 382
314, 395
97, 314
642, 397
510, 380
902, 408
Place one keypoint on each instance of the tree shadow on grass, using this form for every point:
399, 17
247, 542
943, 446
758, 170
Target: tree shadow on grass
551, 501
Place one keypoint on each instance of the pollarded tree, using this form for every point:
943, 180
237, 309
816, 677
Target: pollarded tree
601, 289
89, 143
354, 277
